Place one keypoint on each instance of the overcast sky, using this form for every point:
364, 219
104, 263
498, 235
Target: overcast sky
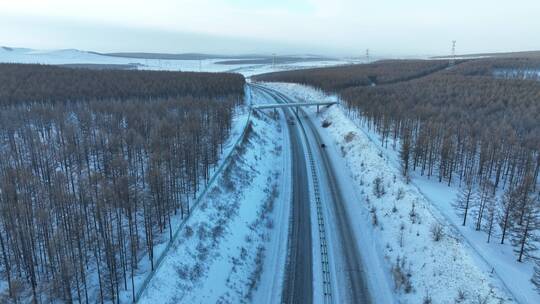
332, 27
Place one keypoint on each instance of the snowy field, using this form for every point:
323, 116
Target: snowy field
460, 266
533, 74
72, 56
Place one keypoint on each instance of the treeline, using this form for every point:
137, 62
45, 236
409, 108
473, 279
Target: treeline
460, 121
47, 83
474, 129
89, 189
335, 79
519, 68
468, 125
452, 124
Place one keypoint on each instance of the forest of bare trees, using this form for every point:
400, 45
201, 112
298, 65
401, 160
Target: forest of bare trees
335, 79
513, 67
476, 124
93, 166
47, 83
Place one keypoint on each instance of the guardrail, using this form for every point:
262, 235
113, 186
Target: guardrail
292, 105
325, 266
214, 177
327, 287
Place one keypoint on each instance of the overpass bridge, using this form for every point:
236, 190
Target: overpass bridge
292, 105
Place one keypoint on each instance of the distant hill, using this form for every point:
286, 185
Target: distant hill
97, 66
184, 56
525, 54
61, 56
241, 63
277, 60
230, 59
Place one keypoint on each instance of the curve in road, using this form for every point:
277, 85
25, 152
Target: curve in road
298, 287
352, 273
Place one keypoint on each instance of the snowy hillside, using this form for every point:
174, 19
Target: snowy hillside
236, 238
78, 57
414, 226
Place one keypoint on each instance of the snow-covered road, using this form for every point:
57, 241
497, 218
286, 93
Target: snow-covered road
298, 279
336, 245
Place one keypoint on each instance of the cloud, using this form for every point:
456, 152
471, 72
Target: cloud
314, 26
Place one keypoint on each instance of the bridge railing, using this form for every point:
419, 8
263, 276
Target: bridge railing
291, 105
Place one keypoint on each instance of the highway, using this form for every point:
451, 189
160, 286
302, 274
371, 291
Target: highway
298, 286
348, 278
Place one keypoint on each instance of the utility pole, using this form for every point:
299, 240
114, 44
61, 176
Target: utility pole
453, 56
273, 60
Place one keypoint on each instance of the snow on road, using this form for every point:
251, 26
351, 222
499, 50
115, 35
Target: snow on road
400, 222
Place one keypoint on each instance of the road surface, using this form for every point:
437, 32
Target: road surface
299, 275
350, 284
298, 287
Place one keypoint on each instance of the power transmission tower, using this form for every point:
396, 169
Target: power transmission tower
453, 56
367, 55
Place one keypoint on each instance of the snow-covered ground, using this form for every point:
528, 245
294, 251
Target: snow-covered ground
234, 242
247, 200
73, 56
401, 220
233, 248
260, 69
240, 119
533, 74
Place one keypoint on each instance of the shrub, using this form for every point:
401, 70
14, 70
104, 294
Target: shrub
374, 219
378, 187
400, 194
461, 296
402, 277
349, 137
437, 232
